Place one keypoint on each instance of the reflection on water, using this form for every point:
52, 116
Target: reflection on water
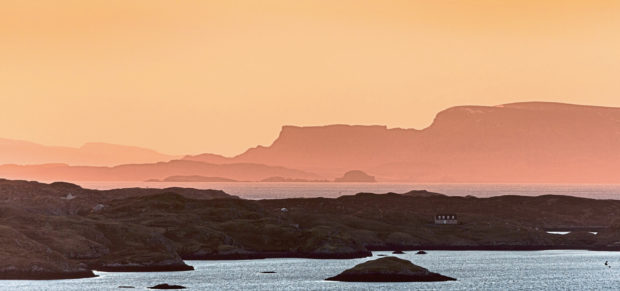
474, 270
560, 232
254, 190
567, 232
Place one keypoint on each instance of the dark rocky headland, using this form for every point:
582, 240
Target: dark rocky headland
61, 230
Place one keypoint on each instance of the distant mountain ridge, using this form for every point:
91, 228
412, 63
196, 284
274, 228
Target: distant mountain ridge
91, 154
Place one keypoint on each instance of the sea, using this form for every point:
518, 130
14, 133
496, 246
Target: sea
474, 270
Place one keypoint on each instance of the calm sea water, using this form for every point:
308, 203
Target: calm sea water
474, 270
330, 190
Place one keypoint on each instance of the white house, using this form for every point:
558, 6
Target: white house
446, 219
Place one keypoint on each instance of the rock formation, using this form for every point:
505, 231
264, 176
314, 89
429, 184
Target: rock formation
388, 269
356, 176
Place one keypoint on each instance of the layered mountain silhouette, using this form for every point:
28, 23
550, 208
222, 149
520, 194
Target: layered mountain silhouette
535, 142
520, 142
92, 154
151, 171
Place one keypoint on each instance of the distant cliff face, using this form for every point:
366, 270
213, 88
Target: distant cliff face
521, 142
338, 147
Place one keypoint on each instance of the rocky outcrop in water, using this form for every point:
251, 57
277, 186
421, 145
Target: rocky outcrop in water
389, 269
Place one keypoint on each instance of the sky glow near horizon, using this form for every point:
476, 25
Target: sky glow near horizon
186, 77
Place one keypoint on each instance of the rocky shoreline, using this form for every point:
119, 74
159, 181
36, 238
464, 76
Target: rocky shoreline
364, 254
38, 275
145, 268
47, 236
274, 255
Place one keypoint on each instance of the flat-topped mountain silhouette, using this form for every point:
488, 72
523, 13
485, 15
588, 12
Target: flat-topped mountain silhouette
91, 154
520, 142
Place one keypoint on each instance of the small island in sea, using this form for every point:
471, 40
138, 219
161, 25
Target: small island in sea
389, 269
356, 176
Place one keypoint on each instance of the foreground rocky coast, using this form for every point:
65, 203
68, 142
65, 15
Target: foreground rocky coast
61, 230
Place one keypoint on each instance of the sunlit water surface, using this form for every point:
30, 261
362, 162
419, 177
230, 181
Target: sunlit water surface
474, 270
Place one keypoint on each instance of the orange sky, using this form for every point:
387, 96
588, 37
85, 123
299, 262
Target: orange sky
220, 76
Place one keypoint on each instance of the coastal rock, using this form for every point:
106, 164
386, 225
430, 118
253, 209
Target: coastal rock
25, 259
323, 243
421, 253
159, 256
389, 269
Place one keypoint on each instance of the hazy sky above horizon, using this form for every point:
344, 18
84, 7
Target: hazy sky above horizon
222, 76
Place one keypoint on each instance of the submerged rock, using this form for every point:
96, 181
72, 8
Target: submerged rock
398, 252
389, 269
421, 253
